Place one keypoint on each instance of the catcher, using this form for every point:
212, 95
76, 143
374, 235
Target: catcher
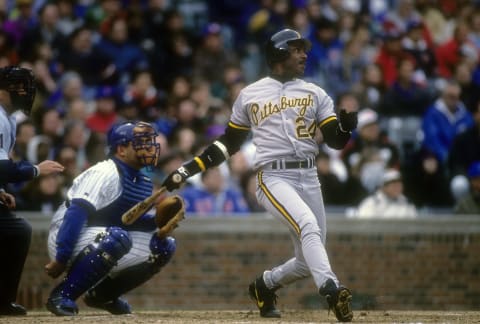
88, 243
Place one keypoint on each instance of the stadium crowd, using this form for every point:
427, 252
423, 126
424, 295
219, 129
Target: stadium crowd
411, 69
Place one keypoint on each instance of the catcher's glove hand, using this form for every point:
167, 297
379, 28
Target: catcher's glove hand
169, 212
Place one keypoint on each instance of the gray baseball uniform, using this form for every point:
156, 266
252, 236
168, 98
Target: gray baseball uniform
283, 118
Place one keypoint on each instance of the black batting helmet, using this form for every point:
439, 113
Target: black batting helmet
277, 46
20, 84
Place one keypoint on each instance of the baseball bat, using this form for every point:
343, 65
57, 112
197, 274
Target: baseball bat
134, 213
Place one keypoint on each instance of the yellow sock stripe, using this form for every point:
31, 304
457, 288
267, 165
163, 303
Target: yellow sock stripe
238, 126
325, 121
277, 204
200, 163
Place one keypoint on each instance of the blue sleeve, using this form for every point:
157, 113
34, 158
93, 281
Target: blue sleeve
16, 171
73, 221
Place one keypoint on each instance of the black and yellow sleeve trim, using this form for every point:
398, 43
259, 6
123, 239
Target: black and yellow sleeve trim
277, 204
233, 125
326, 121
200, 163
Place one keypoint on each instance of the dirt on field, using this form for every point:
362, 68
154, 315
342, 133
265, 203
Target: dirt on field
244, 317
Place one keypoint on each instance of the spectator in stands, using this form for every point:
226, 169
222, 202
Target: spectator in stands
145, 94
42, 194
437, 19
45, 31
211, 57
388, 201
186, 116
25, 132
25, 20
426, 181
71, 87
353, 61
369, 152
474, 23
333, 188
465, 148
105, 114
7, 48
390, 53
403, 13
470, 204
83, 56
68, 21
184, 139
76, 135
67, 156
443, 120
468, 79
213, 198
451, 53
325, 57
125, 55
78, 109
419, 48
51, 125
405, 97
371, 88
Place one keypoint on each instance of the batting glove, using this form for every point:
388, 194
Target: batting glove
176, 179
348, 120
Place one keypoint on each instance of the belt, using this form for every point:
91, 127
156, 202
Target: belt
281, 164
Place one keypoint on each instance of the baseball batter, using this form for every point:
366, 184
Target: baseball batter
87, 239
283, 113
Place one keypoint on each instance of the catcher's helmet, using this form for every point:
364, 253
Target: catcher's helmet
142, 135
277, 47
20, 84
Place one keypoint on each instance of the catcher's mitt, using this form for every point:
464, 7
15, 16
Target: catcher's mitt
169, 212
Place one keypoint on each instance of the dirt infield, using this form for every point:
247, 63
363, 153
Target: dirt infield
250, 317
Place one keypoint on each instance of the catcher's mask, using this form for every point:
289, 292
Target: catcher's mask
277, 46
141, 135
20, 84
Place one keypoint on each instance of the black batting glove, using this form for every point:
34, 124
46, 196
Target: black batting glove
348, 120
176, 179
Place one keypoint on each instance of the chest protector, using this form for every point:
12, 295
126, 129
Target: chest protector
136, 186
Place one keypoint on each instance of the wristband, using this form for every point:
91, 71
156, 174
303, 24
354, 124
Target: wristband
36, 171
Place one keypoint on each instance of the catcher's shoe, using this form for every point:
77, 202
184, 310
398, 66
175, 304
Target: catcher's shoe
265, 298
117, 306
338, 299
62, 306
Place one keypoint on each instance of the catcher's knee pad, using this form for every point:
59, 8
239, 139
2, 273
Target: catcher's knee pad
94, 263
162, 250
116, 242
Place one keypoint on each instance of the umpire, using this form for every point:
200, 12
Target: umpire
17, 91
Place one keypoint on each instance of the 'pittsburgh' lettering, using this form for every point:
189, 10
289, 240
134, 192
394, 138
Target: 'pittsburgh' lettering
259, 114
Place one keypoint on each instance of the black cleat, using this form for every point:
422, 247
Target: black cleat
12, 309
338, 299
264, 298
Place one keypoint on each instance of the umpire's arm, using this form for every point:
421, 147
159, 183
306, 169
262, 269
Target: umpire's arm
17, 171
